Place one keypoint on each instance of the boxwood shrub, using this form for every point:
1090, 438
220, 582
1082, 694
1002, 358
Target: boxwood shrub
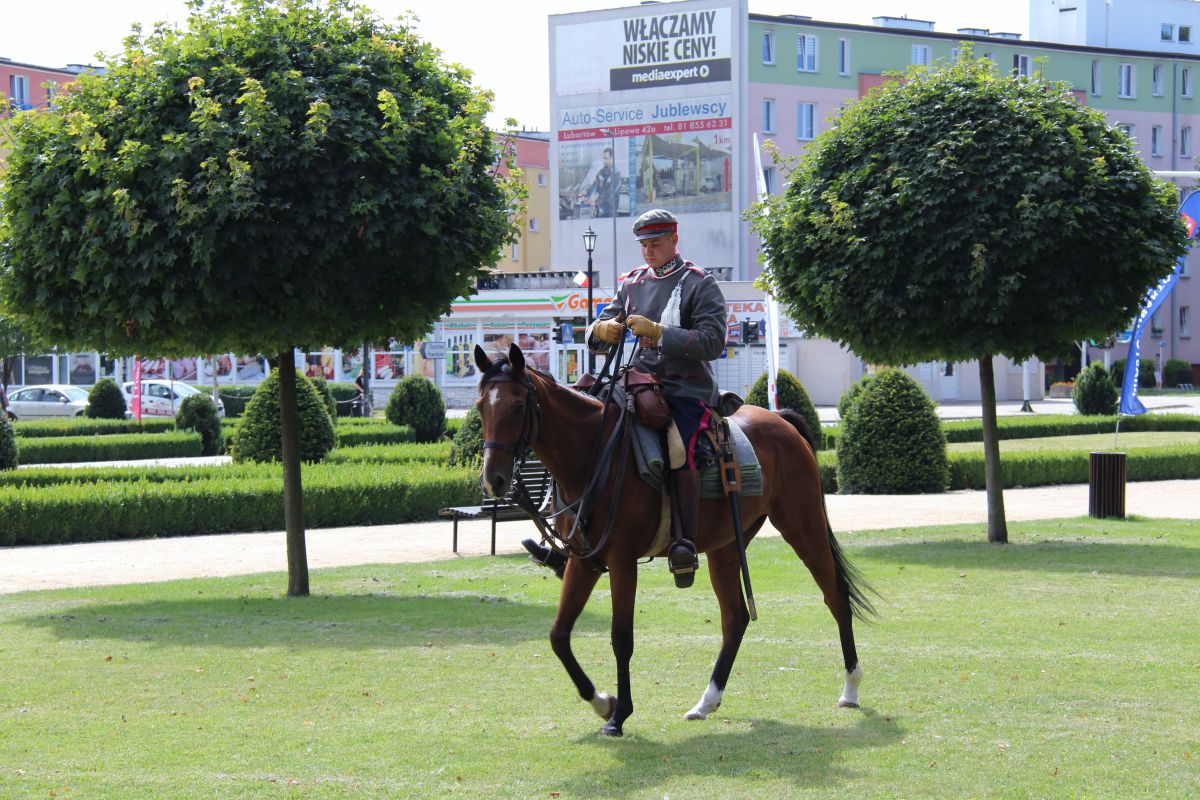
114, 447
791, 394
259, 435
1095, 394
105, 400
8, 444
416, 401
198, 413
891, 440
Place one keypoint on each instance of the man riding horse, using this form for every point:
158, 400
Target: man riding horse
677, 311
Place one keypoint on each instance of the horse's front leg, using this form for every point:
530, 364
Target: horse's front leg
578, 582
724, 570
623, 581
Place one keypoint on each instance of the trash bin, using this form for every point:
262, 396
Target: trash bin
1106, 485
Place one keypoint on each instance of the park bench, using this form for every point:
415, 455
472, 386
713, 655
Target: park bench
536, 480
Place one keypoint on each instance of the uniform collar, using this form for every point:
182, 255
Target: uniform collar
668, 268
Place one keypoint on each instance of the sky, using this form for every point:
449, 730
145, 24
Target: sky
505, 45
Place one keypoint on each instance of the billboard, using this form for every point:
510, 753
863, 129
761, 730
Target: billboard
644, 104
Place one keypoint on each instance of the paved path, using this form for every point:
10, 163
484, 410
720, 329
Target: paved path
145, 561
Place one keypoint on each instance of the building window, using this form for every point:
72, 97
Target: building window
1156, 140
806, 52
516, 252
18, 91
1185, 34
1126, 129
805, 116
843, 56
769, 179
541, 179
1168, 32
768, 47
920, 54
1183, 321
533, 224
1156, 78
1185, 82
1096, 78
1185, 142
768, 116
1126, 81
1022, 66
51, 91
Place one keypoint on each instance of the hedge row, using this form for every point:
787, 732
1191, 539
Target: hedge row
350, 432
235, 396
84, 426
1046, 468
1035, 427
335, 495
412, 453
113, 447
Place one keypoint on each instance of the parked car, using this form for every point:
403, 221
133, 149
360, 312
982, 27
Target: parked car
162, 398
47, 401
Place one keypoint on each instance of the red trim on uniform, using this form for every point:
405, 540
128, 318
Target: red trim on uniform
662, 227
705, 424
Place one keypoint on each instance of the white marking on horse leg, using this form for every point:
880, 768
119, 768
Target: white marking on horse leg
710, 701
849, 698
603, 704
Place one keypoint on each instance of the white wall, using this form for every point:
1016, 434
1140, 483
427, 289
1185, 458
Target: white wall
1119, 24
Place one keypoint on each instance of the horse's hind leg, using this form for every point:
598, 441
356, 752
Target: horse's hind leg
805, 527
724, 570
578, 582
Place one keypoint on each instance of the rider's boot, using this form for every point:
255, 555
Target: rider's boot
540, 554
685, 497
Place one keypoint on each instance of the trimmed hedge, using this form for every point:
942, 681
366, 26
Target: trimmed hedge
1095, 394
105, 401
417, 401
115, 447
411, 453
259, 435
790, 393
1035, 427
380, 433
8, 444
82, 426
334, 495
198, 413
1048, 468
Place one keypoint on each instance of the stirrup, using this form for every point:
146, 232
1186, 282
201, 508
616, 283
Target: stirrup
683, 562
545, 556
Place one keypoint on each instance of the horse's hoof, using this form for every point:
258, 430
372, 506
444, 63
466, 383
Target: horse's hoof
611, 729
604, 704
694, 714
847, 704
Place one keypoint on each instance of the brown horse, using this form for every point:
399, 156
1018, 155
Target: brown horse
520, 406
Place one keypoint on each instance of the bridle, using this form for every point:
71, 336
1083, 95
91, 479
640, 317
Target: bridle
530, 422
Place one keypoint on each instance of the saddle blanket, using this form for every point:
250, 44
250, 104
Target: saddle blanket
648, 452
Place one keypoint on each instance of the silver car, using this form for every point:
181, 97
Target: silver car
47, 401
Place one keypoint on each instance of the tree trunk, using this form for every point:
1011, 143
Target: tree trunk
997, 526
293, 491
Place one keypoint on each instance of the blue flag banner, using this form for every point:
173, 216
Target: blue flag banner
1189, 209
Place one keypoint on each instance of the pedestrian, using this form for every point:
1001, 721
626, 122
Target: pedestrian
1158, 370
360, 383
678, 312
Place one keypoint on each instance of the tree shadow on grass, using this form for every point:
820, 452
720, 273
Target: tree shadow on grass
1087, 556
344, 622
762, 749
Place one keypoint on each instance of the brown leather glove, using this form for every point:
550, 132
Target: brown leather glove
607, 330
647, 329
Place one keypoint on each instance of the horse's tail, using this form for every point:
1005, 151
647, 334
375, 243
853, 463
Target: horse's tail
851, 583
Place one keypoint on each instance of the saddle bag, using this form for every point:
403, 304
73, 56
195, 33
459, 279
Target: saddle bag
647, 398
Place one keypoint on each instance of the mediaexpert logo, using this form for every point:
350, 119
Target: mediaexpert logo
711, 71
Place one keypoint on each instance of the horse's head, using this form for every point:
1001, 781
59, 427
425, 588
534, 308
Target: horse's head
507, 411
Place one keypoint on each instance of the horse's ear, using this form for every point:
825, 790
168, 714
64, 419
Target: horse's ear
516, 358
481, 360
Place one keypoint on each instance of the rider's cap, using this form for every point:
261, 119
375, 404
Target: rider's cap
654, 223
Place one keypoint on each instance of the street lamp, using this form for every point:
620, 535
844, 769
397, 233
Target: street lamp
615, 200
589, 244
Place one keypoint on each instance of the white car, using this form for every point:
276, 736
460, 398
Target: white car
47, 401
162, 398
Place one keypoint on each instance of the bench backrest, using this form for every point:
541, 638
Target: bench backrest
536, 480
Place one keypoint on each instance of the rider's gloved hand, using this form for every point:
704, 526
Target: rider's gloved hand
647, 329
608, 330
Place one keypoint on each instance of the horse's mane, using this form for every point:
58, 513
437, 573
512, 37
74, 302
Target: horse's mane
501, 364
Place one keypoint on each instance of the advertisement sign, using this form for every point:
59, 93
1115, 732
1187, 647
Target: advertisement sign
643, 51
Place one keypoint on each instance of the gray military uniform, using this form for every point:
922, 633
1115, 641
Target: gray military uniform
689, 305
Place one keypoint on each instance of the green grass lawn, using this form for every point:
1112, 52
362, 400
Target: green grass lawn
1064, 665
1097, 441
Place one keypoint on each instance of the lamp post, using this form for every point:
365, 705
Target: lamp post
589, 244
615, 201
